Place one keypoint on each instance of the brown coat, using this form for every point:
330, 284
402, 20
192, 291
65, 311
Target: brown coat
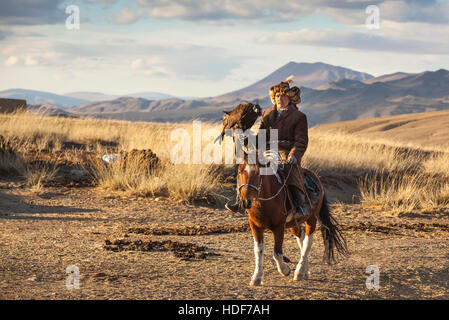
292, 135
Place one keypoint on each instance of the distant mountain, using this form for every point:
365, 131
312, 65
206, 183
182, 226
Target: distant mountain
309, 75
91, 96
389, 77
342, 84
348, 100
71, 99
334, 94
48, 110
305, 74
129, 104
151, 95
340, 100
98, 96
33, 96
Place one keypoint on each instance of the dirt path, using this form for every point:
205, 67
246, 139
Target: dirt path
175, 251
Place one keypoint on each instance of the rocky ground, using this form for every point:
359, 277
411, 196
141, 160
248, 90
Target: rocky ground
141, 248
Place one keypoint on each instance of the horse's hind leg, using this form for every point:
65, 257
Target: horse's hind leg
278, 257
305, 241
256, 279
299, 234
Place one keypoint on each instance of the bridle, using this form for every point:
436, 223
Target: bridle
252, 186
276, 157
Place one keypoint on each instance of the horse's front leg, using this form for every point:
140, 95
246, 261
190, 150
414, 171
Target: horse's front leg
305, 245
256, 279
278, 257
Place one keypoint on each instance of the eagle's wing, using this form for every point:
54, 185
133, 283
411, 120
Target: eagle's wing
245, 115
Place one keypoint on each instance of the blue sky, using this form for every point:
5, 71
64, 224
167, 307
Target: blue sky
206, 48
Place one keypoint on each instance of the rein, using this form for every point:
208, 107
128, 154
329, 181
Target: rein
260, 187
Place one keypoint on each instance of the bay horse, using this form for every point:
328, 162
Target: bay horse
265, 199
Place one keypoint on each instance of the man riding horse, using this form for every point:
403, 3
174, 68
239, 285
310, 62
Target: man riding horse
292, 140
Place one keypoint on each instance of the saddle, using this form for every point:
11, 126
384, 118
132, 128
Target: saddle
311, 186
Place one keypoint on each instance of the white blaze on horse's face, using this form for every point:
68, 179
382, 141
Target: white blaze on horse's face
250, 184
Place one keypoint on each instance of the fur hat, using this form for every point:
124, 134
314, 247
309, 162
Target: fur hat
293, 93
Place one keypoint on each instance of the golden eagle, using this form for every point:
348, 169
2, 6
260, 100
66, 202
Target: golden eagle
241, 117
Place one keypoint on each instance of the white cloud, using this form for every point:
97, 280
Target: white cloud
127, 16
181, 60
248, 11
31, 12
56, 76
136, 64
105, 3
30, 61
11, 61
427, 11
367, 41
351, 12
31, 51
200, 58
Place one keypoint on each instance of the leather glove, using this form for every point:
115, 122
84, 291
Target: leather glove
292, 160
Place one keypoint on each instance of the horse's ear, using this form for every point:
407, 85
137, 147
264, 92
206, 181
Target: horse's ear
244, 154
227, 112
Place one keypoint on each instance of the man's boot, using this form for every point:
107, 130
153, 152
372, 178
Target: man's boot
234, 207
302, 210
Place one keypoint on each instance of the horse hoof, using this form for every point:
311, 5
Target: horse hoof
285, 272
255, 282
298, 277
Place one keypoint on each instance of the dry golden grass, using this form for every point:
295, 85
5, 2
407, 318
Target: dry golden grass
406, 156
180, 182
437, 164
404, 193
10, 162
37, 174
336, 151
397, 177
426, 131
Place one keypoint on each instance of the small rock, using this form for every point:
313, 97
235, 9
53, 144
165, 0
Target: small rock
79, 175
100, 275
33, 278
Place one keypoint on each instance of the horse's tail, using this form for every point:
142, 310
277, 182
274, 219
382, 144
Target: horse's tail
332, 236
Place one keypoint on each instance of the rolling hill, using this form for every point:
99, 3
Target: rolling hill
340, 100
351, 99
309, 75
46, 109
329, 94
98, 96
424, 130
305, 74
33, 96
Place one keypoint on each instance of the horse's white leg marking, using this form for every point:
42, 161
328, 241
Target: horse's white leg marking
300, 241
256, 280
283, 268
303, 264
